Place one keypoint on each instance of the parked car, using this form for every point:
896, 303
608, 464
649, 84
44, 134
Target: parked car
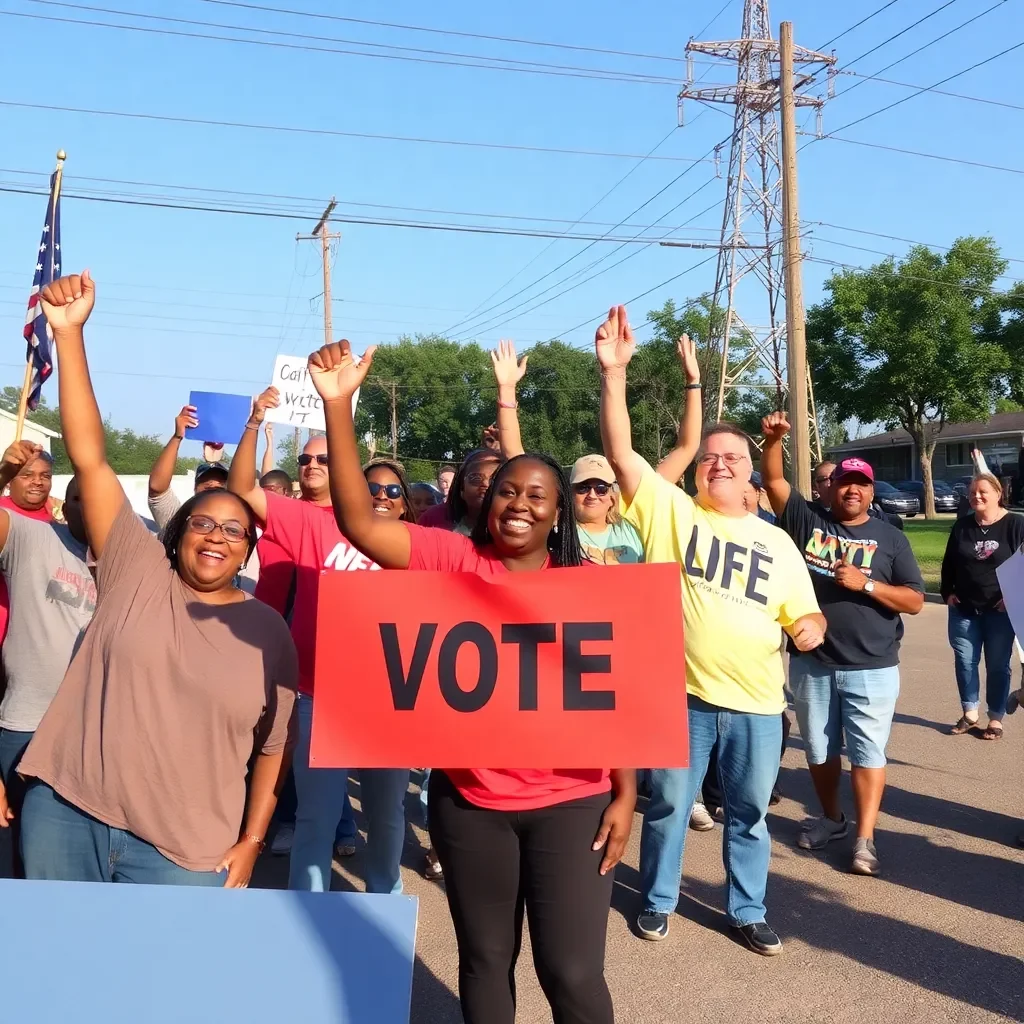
946, 499
896, 502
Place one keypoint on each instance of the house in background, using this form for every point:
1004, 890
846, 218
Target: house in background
893, 455
33, 432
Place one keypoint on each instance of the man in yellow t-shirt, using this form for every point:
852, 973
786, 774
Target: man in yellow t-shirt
744, 582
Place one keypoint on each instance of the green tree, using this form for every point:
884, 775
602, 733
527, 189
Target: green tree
912, 343
288, 453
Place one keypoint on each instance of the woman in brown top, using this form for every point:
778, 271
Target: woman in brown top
137, 771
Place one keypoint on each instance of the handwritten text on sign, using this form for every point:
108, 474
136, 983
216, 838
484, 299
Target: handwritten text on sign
571, 668
300, 405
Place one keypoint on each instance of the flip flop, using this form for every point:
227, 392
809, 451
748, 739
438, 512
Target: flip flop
992, 734
965, 725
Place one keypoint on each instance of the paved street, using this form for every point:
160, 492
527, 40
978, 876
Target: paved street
939, 938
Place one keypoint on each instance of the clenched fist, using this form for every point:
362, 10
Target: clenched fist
68, 301
775, 426
336, 373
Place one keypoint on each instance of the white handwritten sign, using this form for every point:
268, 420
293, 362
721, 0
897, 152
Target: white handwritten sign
300, 405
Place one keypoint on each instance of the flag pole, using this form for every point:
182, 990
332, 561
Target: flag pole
27, 384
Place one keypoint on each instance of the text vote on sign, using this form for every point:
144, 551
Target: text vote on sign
568, 668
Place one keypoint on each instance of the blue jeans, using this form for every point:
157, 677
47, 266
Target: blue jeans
748, 763
322, 795
61, 843
829, 702
12, 746
969, 635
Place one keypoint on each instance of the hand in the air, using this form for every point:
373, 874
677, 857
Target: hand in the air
68, 301
687, 352
185, 419
614, 341
507, 371
775, 426
20, 453
334, 371
269, 399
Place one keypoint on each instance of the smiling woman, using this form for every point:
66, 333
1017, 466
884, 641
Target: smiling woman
536, 837
137, 772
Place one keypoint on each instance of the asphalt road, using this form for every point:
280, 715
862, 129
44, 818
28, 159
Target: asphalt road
939, 938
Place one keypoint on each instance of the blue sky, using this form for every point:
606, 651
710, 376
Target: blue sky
205, 301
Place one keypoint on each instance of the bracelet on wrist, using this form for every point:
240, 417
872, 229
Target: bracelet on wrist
254, 839
507, 405
614, 374
179, 437
252, 426
694, 387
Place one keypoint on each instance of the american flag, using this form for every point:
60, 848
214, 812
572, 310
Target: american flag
37, 330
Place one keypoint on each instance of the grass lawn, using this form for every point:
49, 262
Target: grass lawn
928, 539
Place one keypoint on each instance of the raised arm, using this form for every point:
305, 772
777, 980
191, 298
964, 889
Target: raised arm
691, 422
67, 303
775, 427
242, 472
163, 469
268, 462
508, 373
336, 377
614, 343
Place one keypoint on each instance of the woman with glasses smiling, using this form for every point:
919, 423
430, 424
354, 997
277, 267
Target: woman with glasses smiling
137, 771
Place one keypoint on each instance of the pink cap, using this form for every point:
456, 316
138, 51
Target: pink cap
848, 467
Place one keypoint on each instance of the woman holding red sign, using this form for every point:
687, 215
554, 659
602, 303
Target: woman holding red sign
538, 840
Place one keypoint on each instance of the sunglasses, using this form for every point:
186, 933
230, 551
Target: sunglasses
393, 491
232, 531
599, 487
479, 479
306, 460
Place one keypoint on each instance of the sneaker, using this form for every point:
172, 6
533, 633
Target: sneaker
865, 859
759, 937
283, 838
346, 849
652, 925
821, 832
700, 820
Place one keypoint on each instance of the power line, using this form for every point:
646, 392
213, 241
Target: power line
333, 133
847, 31
898, 276
448, 31
904, 31
938, 92
484, 63
722, 10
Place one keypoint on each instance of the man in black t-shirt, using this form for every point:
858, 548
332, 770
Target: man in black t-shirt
822, 490
864, 575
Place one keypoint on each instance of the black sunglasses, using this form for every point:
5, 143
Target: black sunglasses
599, 487
305, 460
393, 491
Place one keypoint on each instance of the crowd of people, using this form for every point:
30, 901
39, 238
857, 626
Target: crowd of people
159, 685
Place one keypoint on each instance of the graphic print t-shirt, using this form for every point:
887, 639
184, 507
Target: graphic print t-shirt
973, 553
617, 544
861, 632
309, 536
743, 581
53, 596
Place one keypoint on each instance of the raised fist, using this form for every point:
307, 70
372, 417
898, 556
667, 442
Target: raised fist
68, 301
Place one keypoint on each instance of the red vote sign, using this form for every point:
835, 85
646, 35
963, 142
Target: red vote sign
569, 668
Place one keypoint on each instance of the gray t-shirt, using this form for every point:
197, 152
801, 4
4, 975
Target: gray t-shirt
52, 598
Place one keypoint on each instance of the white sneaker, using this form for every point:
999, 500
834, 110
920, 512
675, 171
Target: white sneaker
282, 843
700, 820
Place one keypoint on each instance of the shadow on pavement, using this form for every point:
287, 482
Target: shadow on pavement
901, 719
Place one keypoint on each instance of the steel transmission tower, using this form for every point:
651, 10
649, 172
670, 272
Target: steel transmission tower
752, 224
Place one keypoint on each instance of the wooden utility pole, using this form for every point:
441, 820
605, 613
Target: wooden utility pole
322, 233
796, 342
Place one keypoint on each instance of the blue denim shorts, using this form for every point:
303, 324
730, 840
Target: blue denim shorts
832, 701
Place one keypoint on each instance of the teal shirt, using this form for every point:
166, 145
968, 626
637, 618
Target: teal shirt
619, 544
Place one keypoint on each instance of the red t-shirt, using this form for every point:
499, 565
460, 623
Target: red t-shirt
276, 574
499, 789
311, 540
43, 515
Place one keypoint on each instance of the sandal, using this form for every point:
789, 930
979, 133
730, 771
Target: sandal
992, 734
433, 871
963, 726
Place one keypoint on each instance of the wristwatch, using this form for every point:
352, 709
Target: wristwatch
869, 587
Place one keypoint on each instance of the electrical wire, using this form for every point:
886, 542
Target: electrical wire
863, 21
904, 31
938, 92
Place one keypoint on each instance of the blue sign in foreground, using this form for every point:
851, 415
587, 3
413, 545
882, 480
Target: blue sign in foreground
93, 953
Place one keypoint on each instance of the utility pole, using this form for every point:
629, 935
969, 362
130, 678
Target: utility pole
394, 421
752, 237
322, 233
796, 339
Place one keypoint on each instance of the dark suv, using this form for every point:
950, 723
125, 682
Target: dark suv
896, 502
946, 499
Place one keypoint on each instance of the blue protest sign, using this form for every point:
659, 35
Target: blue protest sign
176, 953
221, 417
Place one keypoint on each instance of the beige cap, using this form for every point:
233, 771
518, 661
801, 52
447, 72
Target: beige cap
592, 467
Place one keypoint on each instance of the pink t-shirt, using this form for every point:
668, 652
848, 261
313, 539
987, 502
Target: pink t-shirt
499, 789
309, 536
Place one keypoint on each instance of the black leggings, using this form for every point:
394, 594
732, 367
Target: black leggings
498, 862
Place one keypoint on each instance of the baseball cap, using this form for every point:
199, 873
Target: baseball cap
592, 467
851, 467
205, 469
